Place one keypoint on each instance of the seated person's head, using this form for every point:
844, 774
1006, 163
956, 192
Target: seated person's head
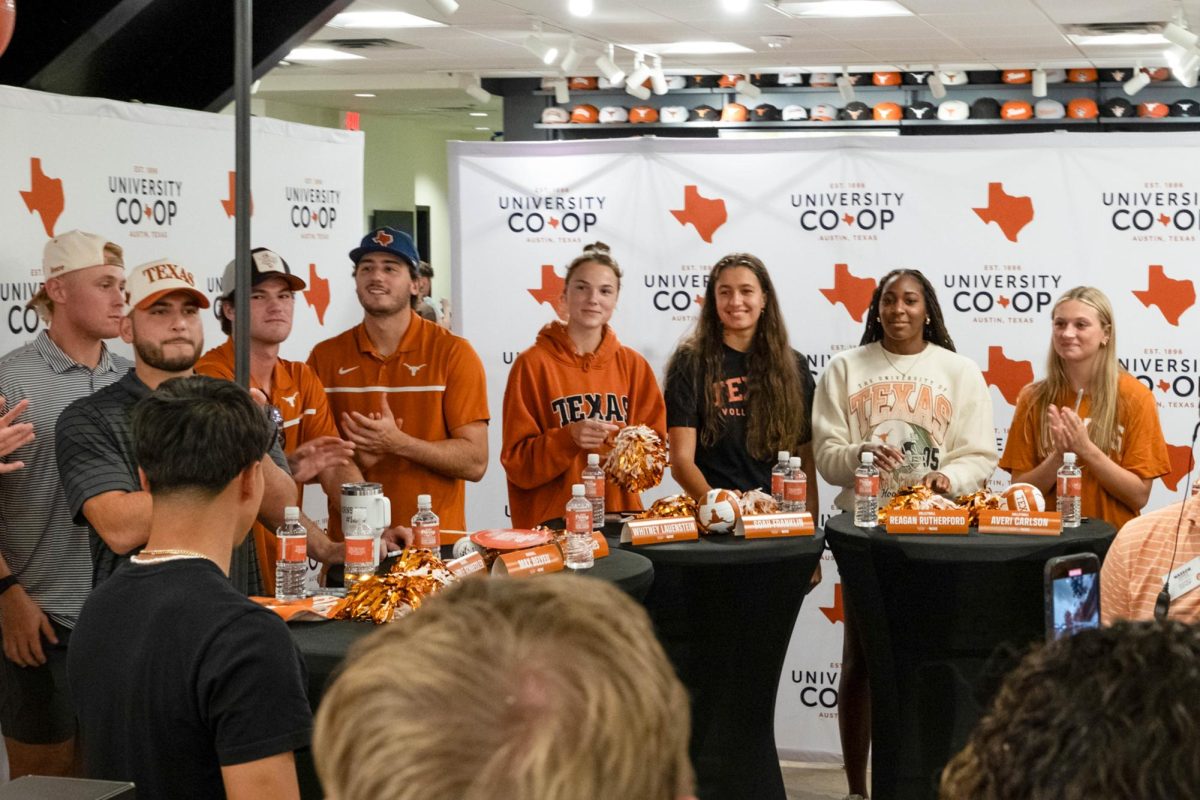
1107, 713
529, 689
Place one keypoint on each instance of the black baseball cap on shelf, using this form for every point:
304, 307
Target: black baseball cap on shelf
767, 79
985, 108
703, 113
702, 81
983, 76
1119, 75
766, 113
860, 78
922, 109
1117, 107
916, 78
855, 111
1185, 108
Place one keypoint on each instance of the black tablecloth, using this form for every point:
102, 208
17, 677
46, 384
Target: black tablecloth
724, 608
324, 644
943, 618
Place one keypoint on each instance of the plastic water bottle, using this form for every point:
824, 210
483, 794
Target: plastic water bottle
593, 488
426, 527
362, 557
778, 474
292, 562
795, 488
866, 492
1069, 491
579, 530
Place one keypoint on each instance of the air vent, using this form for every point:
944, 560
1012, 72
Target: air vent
1111, 28
369, 44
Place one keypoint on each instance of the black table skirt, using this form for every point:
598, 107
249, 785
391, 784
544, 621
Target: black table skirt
943, 619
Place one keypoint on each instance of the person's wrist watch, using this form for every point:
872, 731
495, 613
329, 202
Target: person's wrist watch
7, 582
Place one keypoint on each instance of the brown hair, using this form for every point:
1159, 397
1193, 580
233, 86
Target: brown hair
538, 689
599, 253
776, 416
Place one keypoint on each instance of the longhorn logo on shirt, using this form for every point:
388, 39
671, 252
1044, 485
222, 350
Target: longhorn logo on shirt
607, 407
291, 399
414, 370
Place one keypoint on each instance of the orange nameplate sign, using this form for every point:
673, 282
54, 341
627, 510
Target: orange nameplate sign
770, 526
470, 564
1038, 523
951, 520
599, 545
309, 609
659, 531
532, 561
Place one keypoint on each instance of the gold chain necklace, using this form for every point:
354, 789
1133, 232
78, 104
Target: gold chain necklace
911, 367
167, 554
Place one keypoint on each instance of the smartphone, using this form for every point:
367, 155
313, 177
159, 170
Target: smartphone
1072, 592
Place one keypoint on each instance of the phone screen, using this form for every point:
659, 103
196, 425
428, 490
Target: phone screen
1075, 603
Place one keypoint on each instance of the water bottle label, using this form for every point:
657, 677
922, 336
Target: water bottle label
360, 550
426, 537
795, 491
866, 485
1070, 486
593, 486
579, 521
293, 549
776, 485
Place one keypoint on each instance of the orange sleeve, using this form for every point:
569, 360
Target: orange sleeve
646, 401
465, 398
531, 455
1020, 449
312, 395
1114, 581
1143, 448
213, 368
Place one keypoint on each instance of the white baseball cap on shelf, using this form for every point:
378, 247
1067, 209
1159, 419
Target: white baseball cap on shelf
610, 114
794, 113
1047, 108
555, 116
954, 110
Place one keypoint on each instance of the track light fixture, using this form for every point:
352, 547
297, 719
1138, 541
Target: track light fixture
1039, 83
535, 44
845, 87
658, 80
472, 86
748, 89
1139, 81
609, 68
571, 58
562, 93
446, 7
633, 84
936, 87
1178, 35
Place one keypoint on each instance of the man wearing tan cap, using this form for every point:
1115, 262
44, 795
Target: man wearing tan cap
95, 451
45, 569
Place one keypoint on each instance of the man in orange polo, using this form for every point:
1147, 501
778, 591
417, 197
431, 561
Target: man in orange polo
294, 395
408, 393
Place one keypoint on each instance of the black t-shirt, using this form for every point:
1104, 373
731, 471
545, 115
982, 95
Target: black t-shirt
174, 674
727, 464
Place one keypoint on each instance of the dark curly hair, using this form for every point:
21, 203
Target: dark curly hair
934, 330
1107, 713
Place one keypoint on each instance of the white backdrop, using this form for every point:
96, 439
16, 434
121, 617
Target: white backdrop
158, 182
1001, 225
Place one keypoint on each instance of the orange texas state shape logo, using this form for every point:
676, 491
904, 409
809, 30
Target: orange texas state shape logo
44, 196
317, 293
230, 203
551, 291
835, 613
1173, 297
852, 292
705, 214
1181, 462
1009, 376
1010, 213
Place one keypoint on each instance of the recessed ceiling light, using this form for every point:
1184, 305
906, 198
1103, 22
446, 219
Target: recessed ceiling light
364, 94
735, 6
477, 113
689, 48
320, 54
382, 19
1119, 39
581, 8
482, 129
846, 8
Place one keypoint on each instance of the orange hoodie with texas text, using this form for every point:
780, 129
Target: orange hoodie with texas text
551, 386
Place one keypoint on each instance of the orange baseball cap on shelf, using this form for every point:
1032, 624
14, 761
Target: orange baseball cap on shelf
1159, 73
888, 112
643, 114
1153, 109
735, 112
729, 81
1082, 75
886, 79
582, 83
1016, 109
1016, 76
585, 113
1083, 108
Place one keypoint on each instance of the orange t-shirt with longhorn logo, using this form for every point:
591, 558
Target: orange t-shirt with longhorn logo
550, 387
1141, 448
434, 383
300, 398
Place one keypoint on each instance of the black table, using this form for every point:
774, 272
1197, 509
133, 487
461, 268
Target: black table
324, 644
943, 617
724, 608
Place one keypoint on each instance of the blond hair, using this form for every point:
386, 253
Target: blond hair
1103, 428
535, 689
114, 256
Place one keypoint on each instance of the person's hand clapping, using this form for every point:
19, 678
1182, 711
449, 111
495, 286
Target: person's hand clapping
1068, 431
591, 434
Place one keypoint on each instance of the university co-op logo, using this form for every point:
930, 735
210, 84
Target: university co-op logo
1169, 374
1002, 293
313, 208
846, 211
145, 200
555, 216
1159, 211
679, 293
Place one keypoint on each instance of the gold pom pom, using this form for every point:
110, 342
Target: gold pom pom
637, 460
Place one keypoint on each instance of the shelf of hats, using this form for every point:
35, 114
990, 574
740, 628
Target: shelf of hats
907, 102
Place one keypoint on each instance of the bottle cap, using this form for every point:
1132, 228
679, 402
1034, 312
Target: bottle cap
424, 501
794, 462
358, 514
577, 490
593, 459
867, 458
783, 455
1068, 458
291, 514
